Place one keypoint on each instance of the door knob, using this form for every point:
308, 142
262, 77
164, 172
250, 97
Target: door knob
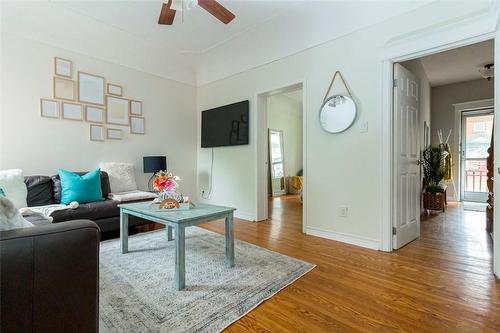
418, 163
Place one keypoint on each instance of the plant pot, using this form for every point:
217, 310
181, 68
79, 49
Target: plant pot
434, 201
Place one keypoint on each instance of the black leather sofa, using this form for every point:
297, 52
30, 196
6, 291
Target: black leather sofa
49, 278
46, 190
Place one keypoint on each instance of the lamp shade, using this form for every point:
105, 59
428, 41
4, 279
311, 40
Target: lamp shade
154, 164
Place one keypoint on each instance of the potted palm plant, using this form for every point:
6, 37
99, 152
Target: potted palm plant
433, 164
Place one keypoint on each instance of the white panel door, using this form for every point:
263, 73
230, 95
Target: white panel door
406, 157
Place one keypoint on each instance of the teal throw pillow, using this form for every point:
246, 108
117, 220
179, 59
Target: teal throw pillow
82, 189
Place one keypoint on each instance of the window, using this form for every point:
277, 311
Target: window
479, 127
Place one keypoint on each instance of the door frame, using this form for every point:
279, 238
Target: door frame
463, 114
459, 108
450, 36
262, 167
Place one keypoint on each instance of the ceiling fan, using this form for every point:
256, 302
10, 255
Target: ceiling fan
169, 9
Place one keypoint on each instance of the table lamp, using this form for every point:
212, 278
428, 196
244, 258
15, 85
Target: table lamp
153, 164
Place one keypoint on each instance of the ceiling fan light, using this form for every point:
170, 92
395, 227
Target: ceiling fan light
487, 72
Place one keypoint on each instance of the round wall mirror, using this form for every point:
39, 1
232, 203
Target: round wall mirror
337, 113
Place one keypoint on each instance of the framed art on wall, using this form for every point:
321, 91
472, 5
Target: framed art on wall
136, 108
49, 108
114, 89
90, 88
62, 67
72, 111
97, 133
114, 134
137, 125
117, 110
94, 114
64, 89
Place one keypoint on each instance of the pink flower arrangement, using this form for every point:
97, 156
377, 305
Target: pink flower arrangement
165, 181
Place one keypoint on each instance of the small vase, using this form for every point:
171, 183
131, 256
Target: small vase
166, 194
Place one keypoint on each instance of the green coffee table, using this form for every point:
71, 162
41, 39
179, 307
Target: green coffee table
178, 220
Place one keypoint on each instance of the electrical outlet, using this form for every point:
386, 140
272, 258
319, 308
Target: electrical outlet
343, 211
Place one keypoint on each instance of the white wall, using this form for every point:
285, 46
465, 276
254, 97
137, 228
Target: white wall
285, 114
342, 169
443, 116
41, 145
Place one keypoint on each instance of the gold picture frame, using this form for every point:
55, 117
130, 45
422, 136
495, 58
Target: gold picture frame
114, 89
114, 134
117, 111
72, 111
94, 114
137, 125
64, 89
63, 67
90, 89
97, 132
49, 108
135, 108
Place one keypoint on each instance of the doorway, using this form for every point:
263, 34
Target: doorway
282, 109
443, 122
476, 131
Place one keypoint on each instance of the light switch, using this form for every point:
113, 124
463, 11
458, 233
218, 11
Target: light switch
363, 127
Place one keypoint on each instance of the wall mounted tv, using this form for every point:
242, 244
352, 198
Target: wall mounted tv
225, 126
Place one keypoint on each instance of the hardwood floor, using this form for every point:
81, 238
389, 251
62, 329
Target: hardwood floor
442, 282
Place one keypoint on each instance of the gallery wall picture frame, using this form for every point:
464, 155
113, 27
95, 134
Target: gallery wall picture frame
63, 67
114, 89
90, 88
97, 133
117, 111
49, 108
94, 114
72, 111
135, 108
114, 134
137, 125
64, 89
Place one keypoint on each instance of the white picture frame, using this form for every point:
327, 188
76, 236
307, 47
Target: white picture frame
114, 134
137, 125
49, 108
94, 114
117, 111
97, 133
72, 111
136, 108
114, 89
90, 88
64, 89
63, 67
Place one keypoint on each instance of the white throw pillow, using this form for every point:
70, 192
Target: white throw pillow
121, 176
10, 217
12, 183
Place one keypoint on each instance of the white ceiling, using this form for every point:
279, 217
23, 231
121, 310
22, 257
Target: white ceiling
458, 65
199, 49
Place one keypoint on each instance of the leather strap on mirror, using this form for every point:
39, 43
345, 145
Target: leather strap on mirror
331, 84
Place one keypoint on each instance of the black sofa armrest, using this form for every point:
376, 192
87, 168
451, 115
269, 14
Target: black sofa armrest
49, 277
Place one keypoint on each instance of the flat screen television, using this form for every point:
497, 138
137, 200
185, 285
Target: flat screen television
225, 126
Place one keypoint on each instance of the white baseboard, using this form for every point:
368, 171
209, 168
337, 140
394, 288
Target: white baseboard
244, 216
344, 238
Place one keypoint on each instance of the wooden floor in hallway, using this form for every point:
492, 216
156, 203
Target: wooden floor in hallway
441, 282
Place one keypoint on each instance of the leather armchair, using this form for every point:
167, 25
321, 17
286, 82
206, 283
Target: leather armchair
49, 277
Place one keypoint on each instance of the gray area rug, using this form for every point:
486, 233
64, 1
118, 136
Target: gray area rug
137, 293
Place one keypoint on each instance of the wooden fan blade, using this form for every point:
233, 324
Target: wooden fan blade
167, 15
217, 10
